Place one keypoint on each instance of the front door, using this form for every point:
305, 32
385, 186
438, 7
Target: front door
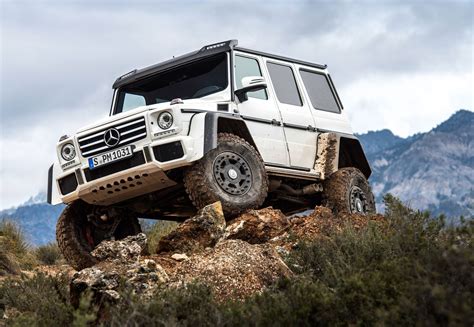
261, 114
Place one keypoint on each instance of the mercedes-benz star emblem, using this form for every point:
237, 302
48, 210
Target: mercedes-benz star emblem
112, 137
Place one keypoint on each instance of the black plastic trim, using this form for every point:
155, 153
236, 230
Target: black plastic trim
271, 164
50, 185
282, 58
193, 111
137, 159
68, 184
261, 120
168, 151
210, 132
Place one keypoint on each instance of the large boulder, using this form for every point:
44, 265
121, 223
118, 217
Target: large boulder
233, 269
258, 226
197, 233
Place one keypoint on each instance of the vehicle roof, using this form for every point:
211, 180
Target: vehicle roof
205, 51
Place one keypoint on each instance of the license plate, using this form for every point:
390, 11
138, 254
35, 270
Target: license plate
109, 157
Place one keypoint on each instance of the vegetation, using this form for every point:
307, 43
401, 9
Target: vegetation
14, 250
413, 270
48, 254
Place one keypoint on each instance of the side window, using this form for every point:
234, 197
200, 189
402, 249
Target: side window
131, 101
248, 67
319, 91
285, 84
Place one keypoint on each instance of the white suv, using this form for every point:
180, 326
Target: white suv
223, 123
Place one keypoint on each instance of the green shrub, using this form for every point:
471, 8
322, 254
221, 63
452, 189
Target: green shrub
42, 301
14, 250
48, 254
156, 231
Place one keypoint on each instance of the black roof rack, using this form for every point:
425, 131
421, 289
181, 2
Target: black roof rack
205, 51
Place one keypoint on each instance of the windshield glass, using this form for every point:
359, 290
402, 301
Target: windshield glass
194, 80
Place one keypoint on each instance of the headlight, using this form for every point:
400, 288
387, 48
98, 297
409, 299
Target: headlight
68, 152
165, 120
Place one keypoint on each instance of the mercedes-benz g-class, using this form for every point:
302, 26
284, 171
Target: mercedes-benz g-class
223, 123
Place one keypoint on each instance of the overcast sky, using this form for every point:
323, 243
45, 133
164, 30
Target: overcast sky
397, 65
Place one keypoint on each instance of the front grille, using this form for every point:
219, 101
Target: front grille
130, 131
136, 160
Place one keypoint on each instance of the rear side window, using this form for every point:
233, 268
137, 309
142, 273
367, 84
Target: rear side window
245, 67
284, 83
319, 91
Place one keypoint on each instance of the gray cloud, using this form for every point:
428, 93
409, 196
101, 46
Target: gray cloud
59, 59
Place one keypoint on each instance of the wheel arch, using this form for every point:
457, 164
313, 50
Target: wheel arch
215, 123
351, 154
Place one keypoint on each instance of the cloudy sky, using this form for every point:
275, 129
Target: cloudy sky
406, 66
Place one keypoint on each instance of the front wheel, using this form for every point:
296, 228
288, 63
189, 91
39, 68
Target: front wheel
348, 191
233, 173
78, 232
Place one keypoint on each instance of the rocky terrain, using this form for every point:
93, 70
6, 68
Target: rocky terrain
236, 259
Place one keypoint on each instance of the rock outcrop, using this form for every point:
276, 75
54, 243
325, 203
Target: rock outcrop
235, 261
197, 233
258, 226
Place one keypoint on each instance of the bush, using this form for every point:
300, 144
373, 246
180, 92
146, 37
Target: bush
42, 301
156, 231
48, 254
14, 250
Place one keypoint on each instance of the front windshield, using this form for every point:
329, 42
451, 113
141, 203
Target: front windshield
194, 80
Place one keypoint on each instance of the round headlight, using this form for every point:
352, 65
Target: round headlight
165, 120
68, 152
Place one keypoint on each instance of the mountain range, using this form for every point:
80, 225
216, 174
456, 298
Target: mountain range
429, 171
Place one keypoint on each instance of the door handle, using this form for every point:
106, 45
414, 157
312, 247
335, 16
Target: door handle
275, 122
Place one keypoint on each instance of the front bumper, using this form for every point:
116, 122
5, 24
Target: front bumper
140, 174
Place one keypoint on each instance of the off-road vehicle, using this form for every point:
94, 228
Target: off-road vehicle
223, 123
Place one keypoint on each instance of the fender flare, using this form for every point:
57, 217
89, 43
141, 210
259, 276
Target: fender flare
215, 123
53, 196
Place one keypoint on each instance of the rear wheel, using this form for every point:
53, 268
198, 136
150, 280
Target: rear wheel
348, 191
233, 173
79, 231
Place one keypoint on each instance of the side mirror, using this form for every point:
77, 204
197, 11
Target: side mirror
250, 84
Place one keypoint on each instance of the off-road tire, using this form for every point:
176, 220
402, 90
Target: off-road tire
71, 240
203, 187
339, 186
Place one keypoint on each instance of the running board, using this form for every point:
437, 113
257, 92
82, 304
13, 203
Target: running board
290, 172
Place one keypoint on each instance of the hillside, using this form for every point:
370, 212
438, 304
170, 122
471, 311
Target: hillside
433, 170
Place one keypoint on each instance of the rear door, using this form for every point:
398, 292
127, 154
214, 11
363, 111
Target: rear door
295, 112
260, 112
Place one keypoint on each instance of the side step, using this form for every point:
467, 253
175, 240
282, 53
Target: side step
291, 172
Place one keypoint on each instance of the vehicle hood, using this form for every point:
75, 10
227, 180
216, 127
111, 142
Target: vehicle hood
188, 104
120, 116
